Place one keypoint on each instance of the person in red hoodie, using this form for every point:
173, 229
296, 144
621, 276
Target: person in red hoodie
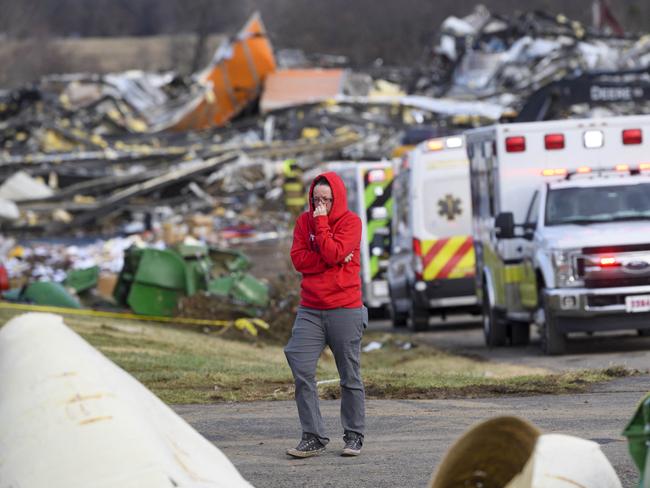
326, 251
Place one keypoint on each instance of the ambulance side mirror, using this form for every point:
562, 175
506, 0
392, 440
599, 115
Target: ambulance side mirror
504, 225
529, 231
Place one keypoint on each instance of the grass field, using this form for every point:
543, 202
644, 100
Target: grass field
183, 365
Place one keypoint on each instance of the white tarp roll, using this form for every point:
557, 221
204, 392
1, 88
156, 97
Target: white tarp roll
511, 452
71, 418
564, 461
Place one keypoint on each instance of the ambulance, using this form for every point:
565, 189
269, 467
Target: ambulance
561, 228
369, 188
431, 265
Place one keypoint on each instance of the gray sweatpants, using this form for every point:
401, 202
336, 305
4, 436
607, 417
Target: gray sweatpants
341, 329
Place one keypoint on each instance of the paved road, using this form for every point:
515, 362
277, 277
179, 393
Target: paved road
406, 439
463, 335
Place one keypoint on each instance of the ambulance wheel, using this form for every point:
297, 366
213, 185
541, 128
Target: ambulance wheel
399, 319
419, 317
494, 329
643, 332
553, 341
519, 334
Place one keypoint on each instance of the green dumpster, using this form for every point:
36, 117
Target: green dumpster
638, 439
197, 266
159, 282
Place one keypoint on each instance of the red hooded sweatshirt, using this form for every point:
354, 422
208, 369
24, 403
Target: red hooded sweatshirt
319, 248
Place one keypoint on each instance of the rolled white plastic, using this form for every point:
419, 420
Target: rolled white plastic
563, 461
511, 452
71, 418
487, 455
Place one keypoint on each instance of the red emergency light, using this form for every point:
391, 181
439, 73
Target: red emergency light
515, 144
417, 251
622, 167
376, 176
583, 170
608, 261
554, 141
632, 136
644, 167
417, 247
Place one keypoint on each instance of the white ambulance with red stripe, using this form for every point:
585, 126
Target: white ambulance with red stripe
561, 224
431, 267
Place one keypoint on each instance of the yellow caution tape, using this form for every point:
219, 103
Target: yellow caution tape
239, 323
249, 325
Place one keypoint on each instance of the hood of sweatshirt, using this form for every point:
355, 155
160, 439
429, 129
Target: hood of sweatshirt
339, 196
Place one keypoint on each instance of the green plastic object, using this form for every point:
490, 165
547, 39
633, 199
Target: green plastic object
49, 293
160, 280
638, 440
125, 280
242, 288
81, 280
250, 290
221, 286
152, 281
228, 260
240, 262
12, 295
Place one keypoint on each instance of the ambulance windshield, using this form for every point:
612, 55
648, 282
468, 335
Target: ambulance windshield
586, 205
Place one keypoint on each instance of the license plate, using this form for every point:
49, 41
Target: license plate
637, 303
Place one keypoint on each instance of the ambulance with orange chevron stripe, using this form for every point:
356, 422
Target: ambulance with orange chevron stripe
431, 268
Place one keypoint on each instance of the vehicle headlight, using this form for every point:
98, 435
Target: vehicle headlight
564, 264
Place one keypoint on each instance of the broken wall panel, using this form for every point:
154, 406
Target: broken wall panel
299, 86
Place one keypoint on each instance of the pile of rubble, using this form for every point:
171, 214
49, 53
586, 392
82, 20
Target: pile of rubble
527, 60
152, 159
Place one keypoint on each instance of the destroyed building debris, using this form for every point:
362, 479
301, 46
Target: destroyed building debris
503, 59
157, 159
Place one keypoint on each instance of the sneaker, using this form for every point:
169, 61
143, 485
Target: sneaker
353, 443
309, 446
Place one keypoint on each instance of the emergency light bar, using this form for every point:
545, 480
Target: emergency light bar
449, 143
591, 138
620, 168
